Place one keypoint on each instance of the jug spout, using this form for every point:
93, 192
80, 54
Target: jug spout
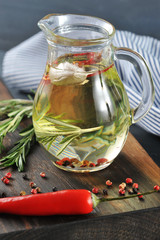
46, 24
76, 30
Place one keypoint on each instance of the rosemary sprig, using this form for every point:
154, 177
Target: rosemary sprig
53, 128
18, 153
11, 105
16, 110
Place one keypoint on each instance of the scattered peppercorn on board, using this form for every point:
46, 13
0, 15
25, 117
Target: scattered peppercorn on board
133, 162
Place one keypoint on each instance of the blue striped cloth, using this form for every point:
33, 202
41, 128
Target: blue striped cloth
23, 67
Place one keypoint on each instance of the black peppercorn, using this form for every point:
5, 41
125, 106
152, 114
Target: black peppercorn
25, 177
54, 189
105, 192
135, 190
3, 195
66, 163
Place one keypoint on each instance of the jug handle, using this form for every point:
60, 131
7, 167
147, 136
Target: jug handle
142, 68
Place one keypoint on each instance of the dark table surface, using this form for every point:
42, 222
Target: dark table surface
18, 21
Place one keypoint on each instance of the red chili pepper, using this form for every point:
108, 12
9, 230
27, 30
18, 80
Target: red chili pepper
65, 202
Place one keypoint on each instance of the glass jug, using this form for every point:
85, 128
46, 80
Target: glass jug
81, 111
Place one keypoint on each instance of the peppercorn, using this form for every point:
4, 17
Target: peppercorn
38, 189
122, 185
72, 166
105, 192
22, 193
108, 183
74, 160
92, 165
135, 185
8, 175
130, 191
101, 161
135, 190
3, 178
65, 159
157, 188
34, 191
95, 190
129, 180
6, 181
54, 189
66, 163
42, 174
85, 162
59, 163
32, 184
3, 195
140, 196
83, 165
121, 191
25, 177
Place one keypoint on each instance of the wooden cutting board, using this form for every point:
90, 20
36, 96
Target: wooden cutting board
132, 162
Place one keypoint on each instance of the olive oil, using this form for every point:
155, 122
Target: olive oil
90, 108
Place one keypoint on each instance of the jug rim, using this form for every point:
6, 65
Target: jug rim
48, 26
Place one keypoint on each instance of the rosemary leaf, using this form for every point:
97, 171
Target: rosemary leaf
67, 138
15, 117
59, 122
18, 153
70, 139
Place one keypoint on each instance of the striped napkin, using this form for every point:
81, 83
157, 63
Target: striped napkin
23, 67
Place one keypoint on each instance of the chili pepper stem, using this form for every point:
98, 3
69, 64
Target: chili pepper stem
96, 200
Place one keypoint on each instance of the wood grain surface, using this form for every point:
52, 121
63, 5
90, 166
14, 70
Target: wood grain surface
132, 162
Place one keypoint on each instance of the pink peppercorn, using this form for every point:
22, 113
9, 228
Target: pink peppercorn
108, 183
140, 196
135, 185
59, 163
34, 191
121, 191
122, 185
42, 174
101, 161
38, 189
95, 190
6, 181
92, 165
32, 184
156, 187
65, 159
129, 180
8, 175
3, 178
83, 165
